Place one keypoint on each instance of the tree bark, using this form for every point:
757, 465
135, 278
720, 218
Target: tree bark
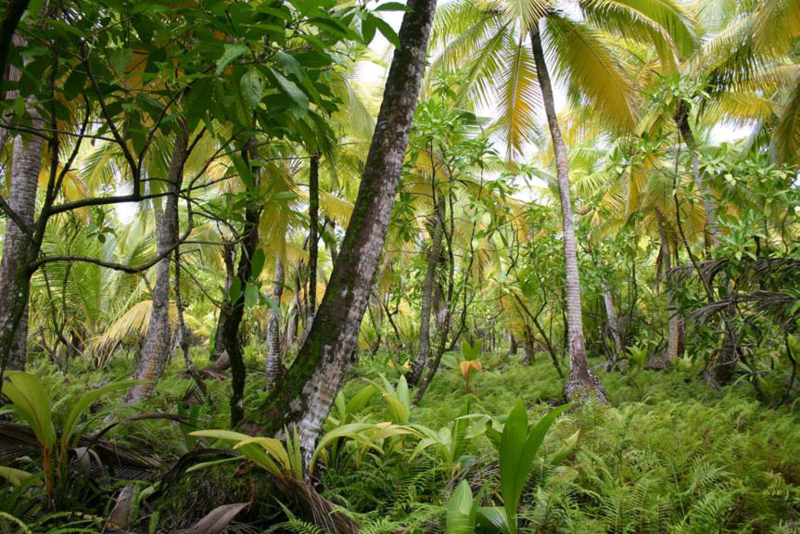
675, 324
14, 279
309, 387
709, 203
424, 346
313, 237
582, 383
274, 365
613, 320
221, 358
244, 271
157, 343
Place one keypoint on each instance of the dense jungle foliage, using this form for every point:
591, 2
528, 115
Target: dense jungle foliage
324, 266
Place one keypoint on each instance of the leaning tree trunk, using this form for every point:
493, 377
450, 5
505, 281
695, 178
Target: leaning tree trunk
274, 365
582, 383
424, 346
14, 276
309, 387
157, 343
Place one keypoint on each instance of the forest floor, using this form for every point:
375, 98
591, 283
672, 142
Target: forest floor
669, 454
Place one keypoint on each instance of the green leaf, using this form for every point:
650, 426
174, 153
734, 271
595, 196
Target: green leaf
232, 51
291, 90
393, 6
388, 32
251, 87
257, 263
84, 403
32, 404
460, 512
289, 65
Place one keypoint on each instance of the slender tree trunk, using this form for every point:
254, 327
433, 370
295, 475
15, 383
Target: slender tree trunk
424, 346
221, 358
244, 273
309, 387
157, 343
512, 345
13, 14
274, 364
14, 279
675, 323
613, 321
529, 351
709, 203
582, 383
313, 237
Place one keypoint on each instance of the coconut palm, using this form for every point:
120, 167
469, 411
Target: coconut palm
490, 40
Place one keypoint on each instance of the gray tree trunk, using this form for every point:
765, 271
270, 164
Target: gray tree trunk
424, 346
709, 202
312, 383
274, 364
675, 324
613, 321
157, 343
582, 383
14, 280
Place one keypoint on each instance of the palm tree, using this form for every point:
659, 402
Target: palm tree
490, 42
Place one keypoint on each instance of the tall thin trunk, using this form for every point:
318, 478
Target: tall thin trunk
512, 345
274, 366
582, 383
709, 203
313, 237
311, 384
14, 279
675, 322
424, 346
157, 343
529, 351
613, 321
252, 215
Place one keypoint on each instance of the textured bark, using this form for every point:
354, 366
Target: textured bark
675, 325
221, 359
274, 364
309, 387
613, 321
13, 14
582, 383
313, 237
157, 343
230, 332
709, 203
512, 345
529, 351
14, 275
424, 346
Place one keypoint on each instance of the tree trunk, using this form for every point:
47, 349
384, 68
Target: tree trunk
613, 321
529, 351
221, 358
157, 343
424, 346
244, 272
709, 206
274, 364
512, 345
14, 276
313, 237
675, 324
309, 387
582, 383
